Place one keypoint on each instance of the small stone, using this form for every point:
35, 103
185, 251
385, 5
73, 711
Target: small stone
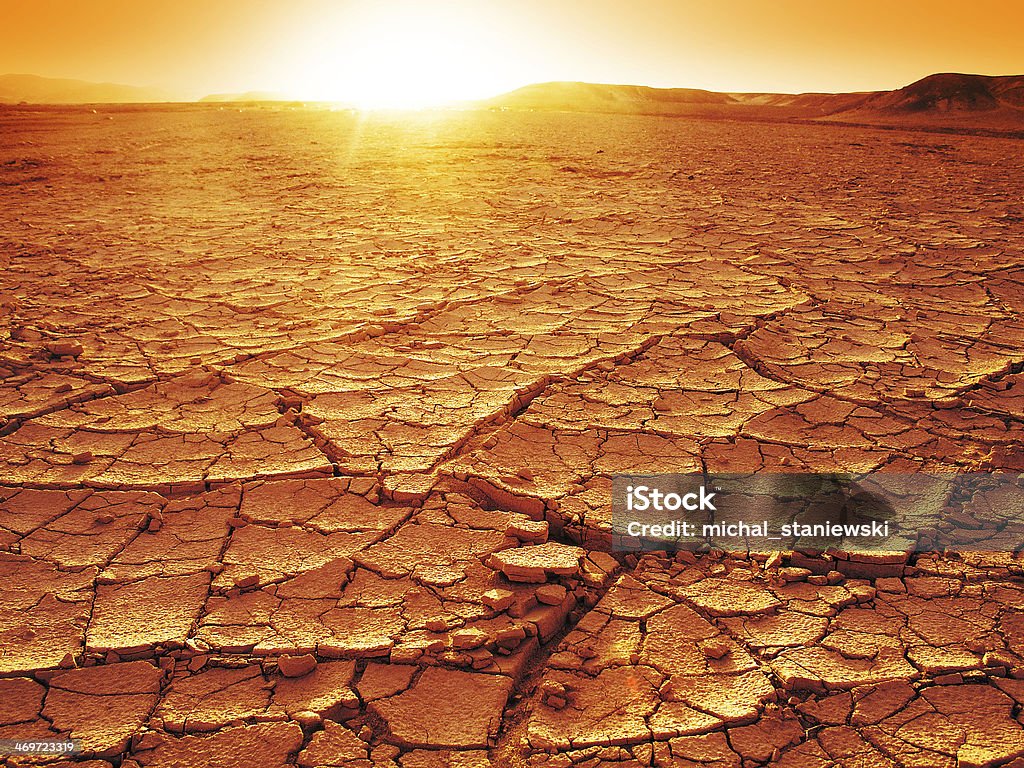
65, 348
863, 593
248, 580
556, 702
551, 594
497, 599
465, 639
296, 666
791, 574
533, 531
82, 458
716, 648
510, 637
552, 687
554, 694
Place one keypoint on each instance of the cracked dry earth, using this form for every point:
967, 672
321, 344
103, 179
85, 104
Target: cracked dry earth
309, 423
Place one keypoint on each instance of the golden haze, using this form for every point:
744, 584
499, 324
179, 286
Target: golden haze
401, 53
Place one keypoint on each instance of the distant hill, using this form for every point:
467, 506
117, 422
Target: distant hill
956, 100
33, 89
811, 103
633, 99
950, 100
945, 101
593, 97
247, 96
952, 92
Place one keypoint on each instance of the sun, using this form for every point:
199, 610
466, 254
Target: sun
404, 57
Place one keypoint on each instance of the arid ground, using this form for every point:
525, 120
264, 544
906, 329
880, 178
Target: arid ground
308, 423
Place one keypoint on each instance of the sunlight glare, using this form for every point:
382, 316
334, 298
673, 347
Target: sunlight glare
415, 58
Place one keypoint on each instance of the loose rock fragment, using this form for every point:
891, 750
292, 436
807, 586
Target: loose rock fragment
533, 563
296, 666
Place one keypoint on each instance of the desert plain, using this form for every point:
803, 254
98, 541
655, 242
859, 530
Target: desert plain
309, 418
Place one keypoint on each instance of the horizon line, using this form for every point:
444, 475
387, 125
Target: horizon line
274, 97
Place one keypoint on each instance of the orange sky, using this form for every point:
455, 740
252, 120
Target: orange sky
473, 48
